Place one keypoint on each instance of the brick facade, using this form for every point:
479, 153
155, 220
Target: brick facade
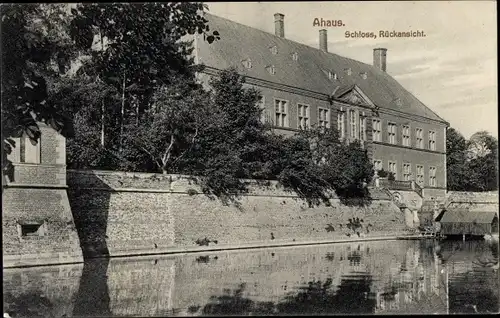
35, 197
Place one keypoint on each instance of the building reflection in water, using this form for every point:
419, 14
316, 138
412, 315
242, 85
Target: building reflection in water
371, 277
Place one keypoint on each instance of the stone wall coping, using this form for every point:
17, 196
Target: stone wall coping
42, 259
36, 185
244, 246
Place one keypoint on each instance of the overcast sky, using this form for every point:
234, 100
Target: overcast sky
453, 70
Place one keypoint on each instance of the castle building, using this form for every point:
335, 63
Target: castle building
303, 86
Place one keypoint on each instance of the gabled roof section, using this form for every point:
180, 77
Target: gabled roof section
238, 41
354, 95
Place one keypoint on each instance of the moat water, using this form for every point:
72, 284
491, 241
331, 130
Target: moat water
383, 277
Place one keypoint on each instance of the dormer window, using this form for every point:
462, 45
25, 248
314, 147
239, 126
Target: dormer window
274, 49
332, 75
247, 63
348, 71
295, 56
271, 69
363, 75
398, 102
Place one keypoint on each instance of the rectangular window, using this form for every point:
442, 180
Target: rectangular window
281, 111
377, 130
391, 129
420, 175
432, 140
406, 172
362, 128
419, 138
262, 106
352, 120
393, 168
377, 164
303, 116
432, 176
323, 117
406, 136
340, 124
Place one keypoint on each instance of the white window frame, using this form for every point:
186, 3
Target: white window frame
406, 171
303, 117
378, 164
432, 140
391, 133
295, 56
419, 137
362, 127
406, 133
324, 122
432, 176
420, 177
341, 123
395, 164
377, 130
281, 115
352, 124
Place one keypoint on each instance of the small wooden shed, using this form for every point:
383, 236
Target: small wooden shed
464, 221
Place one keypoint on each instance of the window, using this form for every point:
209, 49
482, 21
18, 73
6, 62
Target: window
432, 140
406, 136
377, 130
274, 49
419, 138
363, 75
362, 128
271, 69
281, 111
303, 116
391, 129
332, 75
323, 117
348, 71
432, 176
377, 165
352, 120
340, 124
420, 175
295, 56
262, 106
31, 228
29, 153
247, 63
406, 171
393, 168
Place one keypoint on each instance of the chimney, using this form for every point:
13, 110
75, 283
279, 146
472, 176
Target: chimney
380, 58
323, 40
279, 25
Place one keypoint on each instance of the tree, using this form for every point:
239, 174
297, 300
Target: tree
456, 161
141, 48
171, 126
471, 165
320, 162
483, 164
36, 50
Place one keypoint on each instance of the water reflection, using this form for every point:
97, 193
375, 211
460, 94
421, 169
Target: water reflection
361, 278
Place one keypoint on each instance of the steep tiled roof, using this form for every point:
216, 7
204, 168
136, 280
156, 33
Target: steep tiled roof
240, 42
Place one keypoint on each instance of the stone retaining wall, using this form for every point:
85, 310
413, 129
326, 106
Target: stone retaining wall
117, 213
